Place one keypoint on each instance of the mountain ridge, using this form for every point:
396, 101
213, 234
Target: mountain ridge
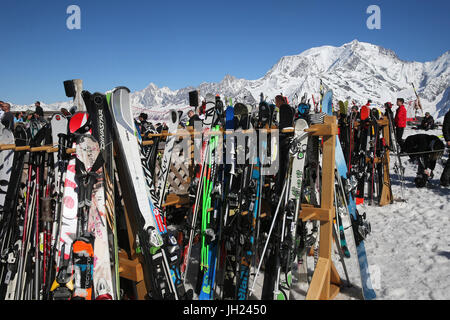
354, 71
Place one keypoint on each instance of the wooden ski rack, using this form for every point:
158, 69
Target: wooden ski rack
47, 148
326, 282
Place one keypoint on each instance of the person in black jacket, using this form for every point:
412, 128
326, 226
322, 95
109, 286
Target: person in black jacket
426, 150
445, 177
8, 117
192, 118
427, 122
39, 110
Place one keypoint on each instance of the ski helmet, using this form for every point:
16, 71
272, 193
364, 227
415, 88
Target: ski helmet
303, 109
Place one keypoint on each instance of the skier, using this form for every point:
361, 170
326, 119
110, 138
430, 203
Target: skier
365, 111
426, 150
1, 110
142, 124
29, 115
400, 121
375, 113
280, 100
445, 177
354, 112
39, 109
18, 117
427, 122
8, 117
388, 110
192, 118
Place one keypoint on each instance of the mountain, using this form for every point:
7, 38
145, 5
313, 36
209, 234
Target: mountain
354, 71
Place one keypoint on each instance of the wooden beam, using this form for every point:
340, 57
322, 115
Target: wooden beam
7, 147
131, 269
311, 213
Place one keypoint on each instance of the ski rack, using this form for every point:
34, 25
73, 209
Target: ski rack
326, 282
386, 193
130, 266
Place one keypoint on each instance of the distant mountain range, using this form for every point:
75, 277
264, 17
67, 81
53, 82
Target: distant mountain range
356, 71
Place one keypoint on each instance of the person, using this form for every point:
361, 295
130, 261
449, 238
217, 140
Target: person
400, 121
39, 109
29, 114
375, 113
159, 127
143, 122
388, 110
364, 113
192, 118
1, 110
18, 117
8, 117
354, 112
427, 122
426, 150
280, 100
445, 177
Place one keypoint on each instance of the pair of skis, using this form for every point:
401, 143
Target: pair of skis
143, 202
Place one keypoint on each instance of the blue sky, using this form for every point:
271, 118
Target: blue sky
181, 43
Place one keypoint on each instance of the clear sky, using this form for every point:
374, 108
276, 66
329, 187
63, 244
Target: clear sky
182, 43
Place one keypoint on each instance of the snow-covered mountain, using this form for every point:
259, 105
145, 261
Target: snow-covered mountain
355, 71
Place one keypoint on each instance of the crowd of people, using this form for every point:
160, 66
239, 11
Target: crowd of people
423, 149
8, 119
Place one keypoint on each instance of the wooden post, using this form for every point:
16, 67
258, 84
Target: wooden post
326, 281
386, 192
131, 264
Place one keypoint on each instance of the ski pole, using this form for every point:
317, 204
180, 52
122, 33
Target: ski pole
268, 237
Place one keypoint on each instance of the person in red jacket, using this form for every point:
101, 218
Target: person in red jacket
365, 111
400, 121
